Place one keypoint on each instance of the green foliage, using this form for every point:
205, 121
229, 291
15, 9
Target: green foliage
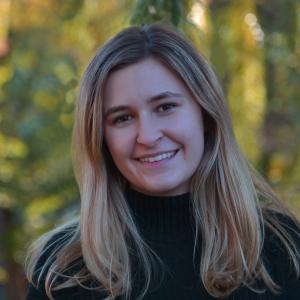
46, 46
169, 11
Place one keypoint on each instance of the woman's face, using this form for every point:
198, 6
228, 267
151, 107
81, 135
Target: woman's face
153, 128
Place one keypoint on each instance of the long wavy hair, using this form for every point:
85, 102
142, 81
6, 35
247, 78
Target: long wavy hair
233, 206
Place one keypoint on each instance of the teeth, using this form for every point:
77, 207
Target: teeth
158, 157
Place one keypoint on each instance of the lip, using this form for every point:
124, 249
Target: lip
158, 164
155, 154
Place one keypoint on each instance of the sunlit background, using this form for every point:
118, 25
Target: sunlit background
44, 47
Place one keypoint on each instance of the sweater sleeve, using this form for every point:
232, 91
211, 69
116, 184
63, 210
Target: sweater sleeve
292, 282
279, 262
36, 288
35, 294
293, 289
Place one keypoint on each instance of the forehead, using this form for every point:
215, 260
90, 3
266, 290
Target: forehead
140, 81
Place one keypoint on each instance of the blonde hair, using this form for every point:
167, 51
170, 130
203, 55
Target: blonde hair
233, 205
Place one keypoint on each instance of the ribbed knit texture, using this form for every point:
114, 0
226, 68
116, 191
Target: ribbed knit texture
163, 219
166, 225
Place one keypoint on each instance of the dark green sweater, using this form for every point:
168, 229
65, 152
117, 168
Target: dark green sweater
166, 225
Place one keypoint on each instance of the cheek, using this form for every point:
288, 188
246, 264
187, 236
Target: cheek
189, 129
111, 141
192, 136
119, 143
197, 139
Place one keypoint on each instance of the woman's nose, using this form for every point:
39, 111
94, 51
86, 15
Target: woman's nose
148, 132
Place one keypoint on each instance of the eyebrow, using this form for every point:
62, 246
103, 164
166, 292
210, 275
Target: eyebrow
152, 99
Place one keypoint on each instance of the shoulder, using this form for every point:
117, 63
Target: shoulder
61, 257
47, 249
280, 228
281, 249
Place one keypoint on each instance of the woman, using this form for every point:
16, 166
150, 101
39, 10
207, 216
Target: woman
170, 208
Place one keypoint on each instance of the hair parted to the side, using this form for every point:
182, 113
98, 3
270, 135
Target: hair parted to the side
232, 203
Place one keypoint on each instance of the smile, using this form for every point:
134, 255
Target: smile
159, 157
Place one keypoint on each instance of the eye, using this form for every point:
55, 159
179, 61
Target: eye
166, 107
122, 119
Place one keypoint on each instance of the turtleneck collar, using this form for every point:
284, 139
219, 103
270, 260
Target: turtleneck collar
161, 218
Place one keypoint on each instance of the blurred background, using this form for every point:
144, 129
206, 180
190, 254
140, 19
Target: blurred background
254, 46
